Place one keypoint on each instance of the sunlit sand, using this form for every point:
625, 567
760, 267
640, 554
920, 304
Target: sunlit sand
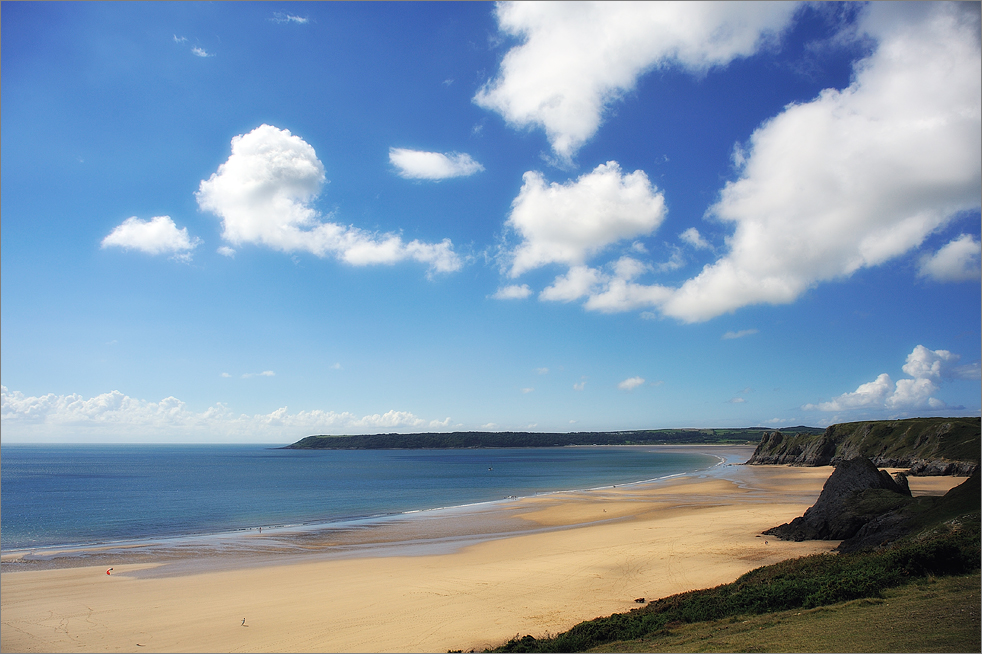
572, 556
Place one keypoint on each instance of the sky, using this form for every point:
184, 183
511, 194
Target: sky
253, 222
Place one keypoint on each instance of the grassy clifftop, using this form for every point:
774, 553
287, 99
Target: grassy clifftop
926, 445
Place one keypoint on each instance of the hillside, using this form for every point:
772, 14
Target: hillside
928, 446
944, 541
473, 439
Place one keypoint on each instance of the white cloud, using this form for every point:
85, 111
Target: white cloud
567, 223
264, 194
855, 177
852, 179
577, 282
279, 17
579, 386
180, 39
740, 334
226, 375
159, 235
576, 59
416, 164
607, 292
928, 368
958, 261
737, 400
527, 390
226, 251
695, 239
513, 292
631, 383
542, 371
118, 417
618, 292
200, 52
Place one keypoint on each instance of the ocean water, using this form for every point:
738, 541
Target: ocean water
83, 495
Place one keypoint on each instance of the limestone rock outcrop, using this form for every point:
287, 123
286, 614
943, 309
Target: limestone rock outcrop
855, 493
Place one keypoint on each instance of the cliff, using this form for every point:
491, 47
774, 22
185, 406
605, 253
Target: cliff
927, 446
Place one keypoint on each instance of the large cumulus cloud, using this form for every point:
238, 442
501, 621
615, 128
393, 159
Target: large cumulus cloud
264, 194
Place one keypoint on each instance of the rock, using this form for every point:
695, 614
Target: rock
892, 525
854, 494
776, 448
938, 468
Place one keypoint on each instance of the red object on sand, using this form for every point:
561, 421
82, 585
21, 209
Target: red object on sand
107, 571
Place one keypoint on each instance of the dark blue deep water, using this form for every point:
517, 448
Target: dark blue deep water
55, 495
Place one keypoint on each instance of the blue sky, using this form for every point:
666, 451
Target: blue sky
255, 222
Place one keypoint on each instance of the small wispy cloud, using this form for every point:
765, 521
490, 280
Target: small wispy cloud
695, 239
740, 334
513, 292
264, 373
737, 400
336, 366
579, 386
226, 375
180, 39
527, 390
279, 17
226, 251
542, 371
200, 52
631, 383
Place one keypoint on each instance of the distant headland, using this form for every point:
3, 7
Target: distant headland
479, 439
927, 446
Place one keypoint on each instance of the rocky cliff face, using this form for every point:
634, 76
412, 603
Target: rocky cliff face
927, 446
854, 494
776, 448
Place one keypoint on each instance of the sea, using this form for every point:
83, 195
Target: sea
58, 496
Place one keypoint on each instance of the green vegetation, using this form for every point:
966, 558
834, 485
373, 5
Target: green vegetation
474, 439
897, 622
945, 546
919, 442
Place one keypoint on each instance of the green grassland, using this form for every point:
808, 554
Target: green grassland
933, 614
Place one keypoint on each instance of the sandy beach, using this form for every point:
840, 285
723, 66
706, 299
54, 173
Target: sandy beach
567, 557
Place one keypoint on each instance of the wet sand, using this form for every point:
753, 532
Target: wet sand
464, 579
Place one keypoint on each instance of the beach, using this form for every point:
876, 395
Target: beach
558, 559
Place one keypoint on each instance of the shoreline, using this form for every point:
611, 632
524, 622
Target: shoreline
292, 535
581, 554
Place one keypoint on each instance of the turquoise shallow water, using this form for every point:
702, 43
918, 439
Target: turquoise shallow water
82, 495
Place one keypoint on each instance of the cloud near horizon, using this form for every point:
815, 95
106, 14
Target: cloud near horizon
119, 417
264, 194
927, 369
